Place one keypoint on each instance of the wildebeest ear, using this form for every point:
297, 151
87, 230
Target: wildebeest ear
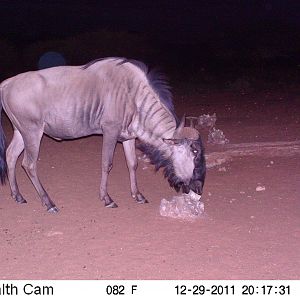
172, 141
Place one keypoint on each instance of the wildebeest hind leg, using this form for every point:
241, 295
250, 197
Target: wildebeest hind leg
32, 143
129, 150
12, 153
108, 148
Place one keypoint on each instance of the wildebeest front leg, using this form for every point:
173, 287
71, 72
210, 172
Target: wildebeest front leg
108, 148
31, 151
129, 149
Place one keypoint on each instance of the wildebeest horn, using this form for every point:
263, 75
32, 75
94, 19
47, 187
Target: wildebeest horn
192, 120
187, 133
183, 132
182, 123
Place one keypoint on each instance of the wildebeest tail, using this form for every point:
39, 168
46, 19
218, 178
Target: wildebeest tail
3, 164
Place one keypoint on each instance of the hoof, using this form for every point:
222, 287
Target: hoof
111, 205
140, 199
108, 202
53, 210
19, 199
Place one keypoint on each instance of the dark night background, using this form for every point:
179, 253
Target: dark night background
220, 44
238, 61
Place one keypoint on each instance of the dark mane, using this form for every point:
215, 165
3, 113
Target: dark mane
158, 159
157, 80
84, 67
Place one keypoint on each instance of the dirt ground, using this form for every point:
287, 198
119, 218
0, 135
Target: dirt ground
245, 234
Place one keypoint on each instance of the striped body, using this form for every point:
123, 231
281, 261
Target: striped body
72, 102
114, 97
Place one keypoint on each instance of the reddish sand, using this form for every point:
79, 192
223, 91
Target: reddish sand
246, 234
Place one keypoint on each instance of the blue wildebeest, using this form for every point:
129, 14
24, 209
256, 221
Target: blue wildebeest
115, 97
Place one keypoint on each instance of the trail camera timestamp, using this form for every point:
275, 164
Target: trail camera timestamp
202, 290
266, 290
233, 290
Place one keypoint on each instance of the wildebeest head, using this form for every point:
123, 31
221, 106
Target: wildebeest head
187, 168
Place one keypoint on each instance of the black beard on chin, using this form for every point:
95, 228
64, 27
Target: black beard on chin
159, 160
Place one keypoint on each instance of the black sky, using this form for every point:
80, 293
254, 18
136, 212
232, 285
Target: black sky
180, 36
176, 21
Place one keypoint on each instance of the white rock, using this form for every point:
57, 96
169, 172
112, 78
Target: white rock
222, 169
194, 196
260, 188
